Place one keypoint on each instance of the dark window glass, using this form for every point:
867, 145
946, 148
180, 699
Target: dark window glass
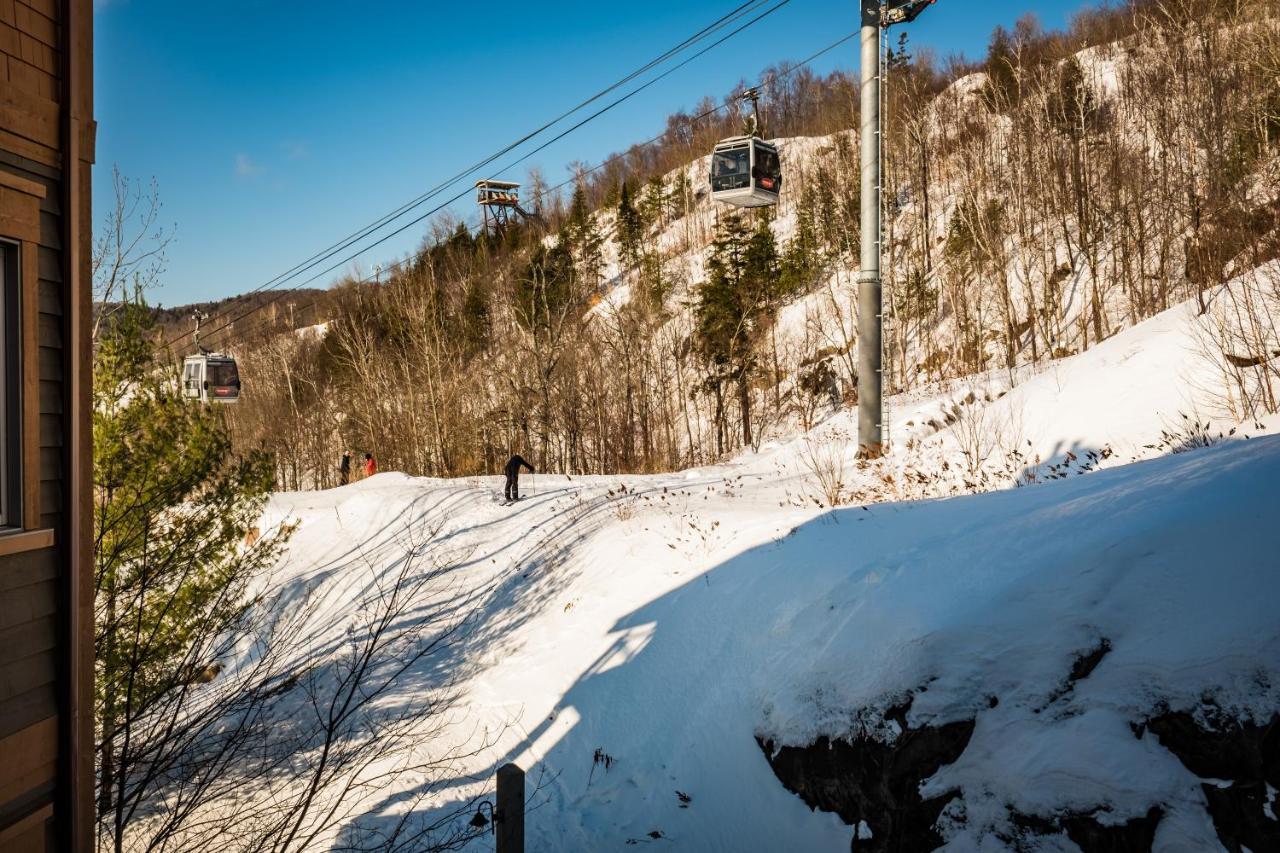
222, 373
731, 170
769, 165
10, 393
768, 171
732, 163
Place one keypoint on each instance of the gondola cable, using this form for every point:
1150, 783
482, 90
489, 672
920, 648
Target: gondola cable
725, 20
511, 165
613, 158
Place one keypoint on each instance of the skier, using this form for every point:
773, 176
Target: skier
344, 468
512, 471
370, 465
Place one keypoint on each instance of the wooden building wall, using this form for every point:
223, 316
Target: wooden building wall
46, 698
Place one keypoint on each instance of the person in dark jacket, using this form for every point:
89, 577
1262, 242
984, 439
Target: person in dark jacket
514, 464
344, 468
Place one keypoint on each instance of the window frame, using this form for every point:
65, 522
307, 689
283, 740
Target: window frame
740, 177
192, 379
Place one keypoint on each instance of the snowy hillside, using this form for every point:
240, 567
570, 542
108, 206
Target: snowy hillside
1067, 191
669, 657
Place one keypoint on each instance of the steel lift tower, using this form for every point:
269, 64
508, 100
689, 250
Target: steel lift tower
877, 15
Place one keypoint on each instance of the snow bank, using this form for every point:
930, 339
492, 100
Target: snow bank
639, 633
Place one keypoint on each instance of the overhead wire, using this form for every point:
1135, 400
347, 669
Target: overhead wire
727, 19
737, 14
421, 217
716, 109
607, 161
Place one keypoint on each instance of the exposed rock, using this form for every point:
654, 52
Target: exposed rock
1243, 758
1081, 668
1089, 833
1135, 836
866, 781
1087, 662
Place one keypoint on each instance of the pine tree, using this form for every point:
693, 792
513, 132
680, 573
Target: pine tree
900, 59
579, 211
653, 202
172, 508
582, 238
1001, 92
476, 322
655, 283
630, 228
760, 266
544, 290
677, 198
1073, 108
802, 260
741, 286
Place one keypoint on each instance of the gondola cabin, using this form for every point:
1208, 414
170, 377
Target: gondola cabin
211, 377
746, 172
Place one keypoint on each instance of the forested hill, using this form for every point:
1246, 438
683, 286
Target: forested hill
267, 311
1069, 186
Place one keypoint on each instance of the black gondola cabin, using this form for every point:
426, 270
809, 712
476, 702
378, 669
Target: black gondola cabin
746, 172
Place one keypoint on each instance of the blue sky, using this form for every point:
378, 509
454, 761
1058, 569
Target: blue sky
276, 127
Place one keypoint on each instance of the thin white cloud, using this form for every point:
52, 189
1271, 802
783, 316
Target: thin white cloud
246, 168
296, 150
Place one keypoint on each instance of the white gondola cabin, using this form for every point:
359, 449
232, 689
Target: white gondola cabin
210, 377
746, 172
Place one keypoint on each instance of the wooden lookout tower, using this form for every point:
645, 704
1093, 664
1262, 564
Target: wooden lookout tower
500, 202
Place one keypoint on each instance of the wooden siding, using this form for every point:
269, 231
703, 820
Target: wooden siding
32, 584
46, 590
28, 622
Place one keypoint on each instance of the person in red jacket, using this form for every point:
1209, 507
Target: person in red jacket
370, 465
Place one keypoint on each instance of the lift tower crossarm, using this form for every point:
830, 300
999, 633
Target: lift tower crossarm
902, 11
876, 16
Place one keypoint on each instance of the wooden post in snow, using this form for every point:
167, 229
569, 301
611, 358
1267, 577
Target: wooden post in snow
509, 815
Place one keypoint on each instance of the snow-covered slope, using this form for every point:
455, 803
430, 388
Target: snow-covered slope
634, 637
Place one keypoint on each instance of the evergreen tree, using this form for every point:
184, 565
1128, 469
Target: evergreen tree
802, 260
582, 238
172, 508
544, 290
740, 287
579, 211
1001, 91
1073, 108
760, 266
653, 202
630, 228
655, 283
900, 59
476, 322
678, 196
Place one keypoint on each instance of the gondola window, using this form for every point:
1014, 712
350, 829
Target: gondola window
731, 169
